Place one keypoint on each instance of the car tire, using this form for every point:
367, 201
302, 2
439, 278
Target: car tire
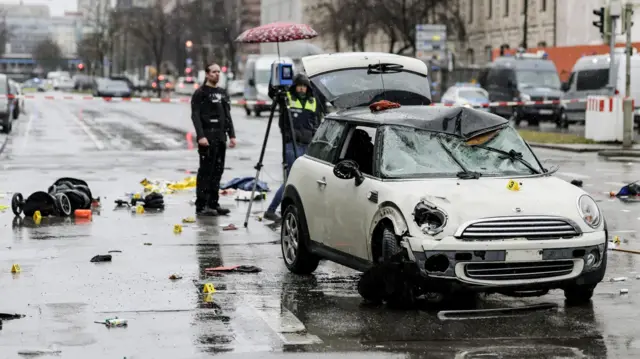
16, 113
403, 294
390, 246
294, 241
6, 127
579, 294
257, 113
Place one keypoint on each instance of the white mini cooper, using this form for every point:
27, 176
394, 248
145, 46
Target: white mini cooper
427, 199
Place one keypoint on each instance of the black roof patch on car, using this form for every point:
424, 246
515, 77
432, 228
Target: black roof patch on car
459, 121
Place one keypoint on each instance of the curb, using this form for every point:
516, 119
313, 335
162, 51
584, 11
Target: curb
565, 148
619, 153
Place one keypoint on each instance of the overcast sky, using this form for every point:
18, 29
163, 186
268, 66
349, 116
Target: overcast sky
58, 7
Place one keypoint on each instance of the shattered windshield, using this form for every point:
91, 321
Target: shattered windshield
412, 153
356, 87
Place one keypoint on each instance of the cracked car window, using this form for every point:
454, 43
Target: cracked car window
326, 142
409, 152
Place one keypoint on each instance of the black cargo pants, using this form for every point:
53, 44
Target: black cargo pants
211, 169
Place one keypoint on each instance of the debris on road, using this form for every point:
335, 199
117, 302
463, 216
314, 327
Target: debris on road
115, 251
114, 322
229, 227
624, 291
167, 187
246, 184
245, 196
148, 244
618, 279
189, 220
39, 351
236, 268
62, 199
8, 316
101, 258
175, 277
493, 313
577, 182
3, 208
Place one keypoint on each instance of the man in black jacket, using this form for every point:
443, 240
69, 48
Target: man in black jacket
211, 116
306, 117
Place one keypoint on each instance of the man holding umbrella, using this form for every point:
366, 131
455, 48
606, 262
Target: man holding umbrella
305, 118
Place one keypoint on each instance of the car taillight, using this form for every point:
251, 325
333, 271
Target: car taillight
181, 85
195, 86
616, 92
154, 85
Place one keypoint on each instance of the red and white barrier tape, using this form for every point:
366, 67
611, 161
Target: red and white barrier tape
244, 102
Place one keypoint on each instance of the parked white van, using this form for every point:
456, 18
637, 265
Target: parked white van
257, 74
590, 77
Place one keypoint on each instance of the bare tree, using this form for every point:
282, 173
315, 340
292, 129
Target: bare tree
98, 41
4, 31
48, 55
328, 22
152, 26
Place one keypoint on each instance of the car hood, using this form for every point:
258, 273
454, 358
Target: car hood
466, 200
542, 92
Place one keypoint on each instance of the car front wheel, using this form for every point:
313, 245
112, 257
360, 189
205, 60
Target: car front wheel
294, 238
579, 294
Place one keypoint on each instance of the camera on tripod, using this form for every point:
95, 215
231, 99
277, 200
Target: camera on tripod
281, 75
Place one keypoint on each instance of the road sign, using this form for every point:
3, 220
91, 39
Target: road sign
431, 42
189, 61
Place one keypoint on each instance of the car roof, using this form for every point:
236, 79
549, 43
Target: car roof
523, 63
318, 64
459, 121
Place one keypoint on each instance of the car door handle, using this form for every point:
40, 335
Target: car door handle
321, 182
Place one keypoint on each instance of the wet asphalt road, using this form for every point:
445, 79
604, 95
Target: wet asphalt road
269, 314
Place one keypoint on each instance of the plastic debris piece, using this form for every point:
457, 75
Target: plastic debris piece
577, 182
39, 351
148, 244
116, 322
139, 209
16, 268
101, 258
236, 268
229, 227
624, 291
189, 220
619, 279
115, 251
3, 208
383, 105
175, 277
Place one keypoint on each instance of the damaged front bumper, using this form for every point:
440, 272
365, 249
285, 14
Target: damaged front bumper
510, 265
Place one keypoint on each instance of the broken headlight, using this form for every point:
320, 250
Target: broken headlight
429, 218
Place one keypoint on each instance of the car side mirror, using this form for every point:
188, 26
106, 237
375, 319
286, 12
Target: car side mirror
252, 82
348, 169
565, 86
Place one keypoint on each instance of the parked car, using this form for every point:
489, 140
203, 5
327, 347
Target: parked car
524, 77
7, 104
126, 79
82, 82
186, 85
235, 88
63, 84
466, 94
16, 89
110, 88
441, 201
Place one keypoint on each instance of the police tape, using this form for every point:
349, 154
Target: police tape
260, 102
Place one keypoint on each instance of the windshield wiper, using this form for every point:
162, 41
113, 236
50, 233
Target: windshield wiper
465, 173
512, 155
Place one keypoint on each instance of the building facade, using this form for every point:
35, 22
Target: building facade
66, 31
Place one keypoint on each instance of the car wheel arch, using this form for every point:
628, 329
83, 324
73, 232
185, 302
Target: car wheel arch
291, 196
388, 216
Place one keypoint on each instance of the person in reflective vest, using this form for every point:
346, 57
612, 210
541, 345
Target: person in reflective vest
306, 117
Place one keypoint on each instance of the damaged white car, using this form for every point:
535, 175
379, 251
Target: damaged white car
427, 199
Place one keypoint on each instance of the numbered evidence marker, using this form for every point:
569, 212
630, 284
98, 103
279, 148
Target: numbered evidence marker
208, 288
15, 268
513, 185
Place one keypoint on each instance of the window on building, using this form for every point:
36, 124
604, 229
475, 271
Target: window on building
490, 9
471, 11
542, 44
488, 52
543, 5
470, 57
506, 8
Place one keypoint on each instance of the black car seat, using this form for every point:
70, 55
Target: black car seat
360, 149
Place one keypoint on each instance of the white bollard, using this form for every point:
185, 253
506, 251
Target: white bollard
603, 119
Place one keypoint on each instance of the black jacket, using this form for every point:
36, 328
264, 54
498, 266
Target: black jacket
209, 104
303, 132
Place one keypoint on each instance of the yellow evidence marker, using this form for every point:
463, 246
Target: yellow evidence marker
513, 185
208, 288
15, 268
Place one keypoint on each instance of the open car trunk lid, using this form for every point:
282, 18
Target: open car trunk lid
360, 78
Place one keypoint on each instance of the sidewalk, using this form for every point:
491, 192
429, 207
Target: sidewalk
603, 150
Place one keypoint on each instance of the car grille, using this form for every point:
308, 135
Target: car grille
543, 98
519, 270
519, 227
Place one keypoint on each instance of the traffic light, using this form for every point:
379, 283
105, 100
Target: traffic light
80, 67
188, 44
224, 69
600, 23
187, 70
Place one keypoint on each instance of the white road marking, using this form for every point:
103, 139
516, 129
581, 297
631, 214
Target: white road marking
96, 141
26, 133
286, 325
573, 175
627, 231
625, 210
